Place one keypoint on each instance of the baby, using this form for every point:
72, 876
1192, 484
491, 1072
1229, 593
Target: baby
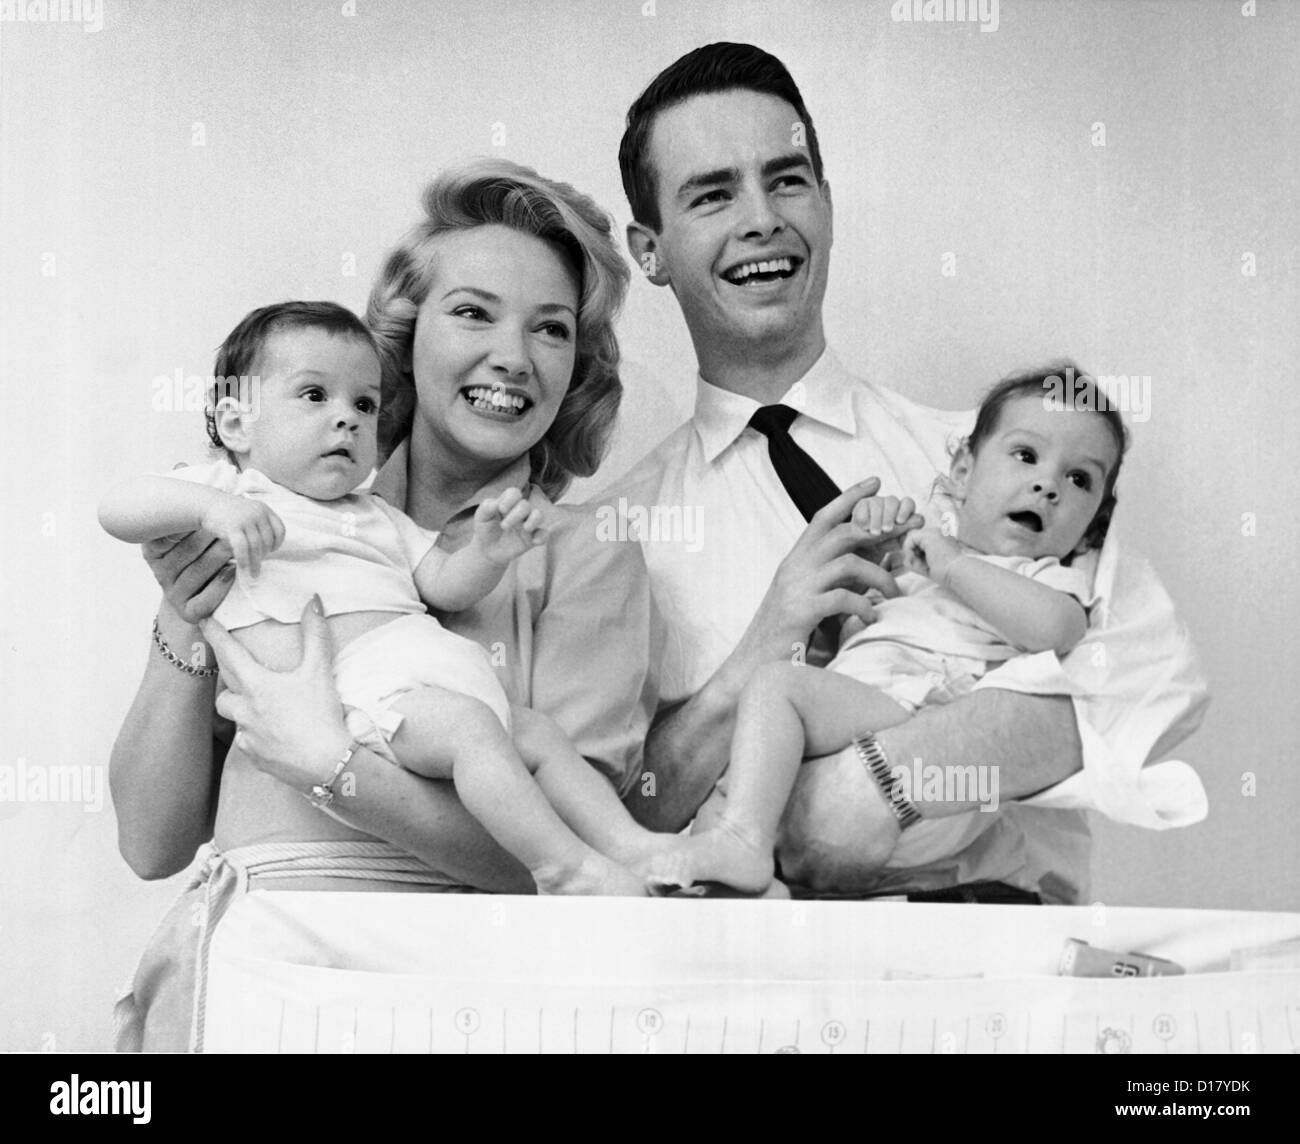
1035, 486
299, 429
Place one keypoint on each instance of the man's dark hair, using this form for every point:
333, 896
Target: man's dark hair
712, 68
237, 355
1065, 386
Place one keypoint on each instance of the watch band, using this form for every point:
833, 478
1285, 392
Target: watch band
874, 759
321, 796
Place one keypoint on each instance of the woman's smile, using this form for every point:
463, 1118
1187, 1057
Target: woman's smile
495, 344
497, 401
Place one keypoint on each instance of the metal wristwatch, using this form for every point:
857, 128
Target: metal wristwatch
321, 796
874, 759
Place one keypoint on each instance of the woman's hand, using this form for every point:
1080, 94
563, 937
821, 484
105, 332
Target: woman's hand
290, 722
194, 572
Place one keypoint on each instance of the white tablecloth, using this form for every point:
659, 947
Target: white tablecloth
333, 972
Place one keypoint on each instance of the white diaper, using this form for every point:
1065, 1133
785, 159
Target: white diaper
911, 676
377, 669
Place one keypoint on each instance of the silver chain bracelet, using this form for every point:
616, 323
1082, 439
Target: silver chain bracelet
175, 660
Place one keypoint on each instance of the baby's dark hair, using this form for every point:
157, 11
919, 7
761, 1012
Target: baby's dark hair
237, 355
1065, 386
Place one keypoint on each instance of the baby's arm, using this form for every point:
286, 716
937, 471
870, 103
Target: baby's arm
150, 507
1032, 616
505, 528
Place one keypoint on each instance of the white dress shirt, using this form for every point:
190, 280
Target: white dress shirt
715, 522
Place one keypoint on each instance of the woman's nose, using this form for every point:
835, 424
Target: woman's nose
509, 352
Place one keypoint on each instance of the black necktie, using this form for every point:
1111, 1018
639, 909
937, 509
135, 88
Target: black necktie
804, 479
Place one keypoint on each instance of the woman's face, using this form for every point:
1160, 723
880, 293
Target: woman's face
494, 345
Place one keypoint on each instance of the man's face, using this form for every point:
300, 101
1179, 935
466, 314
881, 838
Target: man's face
745, 230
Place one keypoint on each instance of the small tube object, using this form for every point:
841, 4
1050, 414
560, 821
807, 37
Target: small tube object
1079, 959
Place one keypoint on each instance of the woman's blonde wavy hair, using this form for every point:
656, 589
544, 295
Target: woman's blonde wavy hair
496, 191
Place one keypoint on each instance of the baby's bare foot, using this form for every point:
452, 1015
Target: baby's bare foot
722, 854
640, 851
592, 874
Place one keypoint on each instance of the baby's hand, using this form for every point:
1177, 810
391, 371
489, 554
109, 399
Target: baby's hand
929, 552
886, 520
507, 526
252, 530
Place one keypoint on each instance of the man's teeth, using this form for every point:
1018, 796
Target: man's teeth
781, 267
496, 399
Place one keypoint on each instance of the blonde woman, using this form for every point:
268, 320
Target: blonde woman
459, 311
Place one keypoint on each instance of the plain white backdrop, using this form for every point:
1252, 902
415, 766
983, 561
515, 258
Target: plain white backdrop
1115, 182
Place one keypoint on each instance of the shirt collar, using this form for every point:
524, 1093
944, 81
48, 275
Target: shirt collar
391, 481
823, 394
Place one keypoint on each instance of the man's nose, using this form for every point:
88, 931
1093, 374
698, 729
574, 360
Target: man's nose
757, 217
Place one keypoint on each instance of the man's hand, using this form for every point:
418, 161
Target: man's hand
825, 574
250, 528
887, 520
507, 526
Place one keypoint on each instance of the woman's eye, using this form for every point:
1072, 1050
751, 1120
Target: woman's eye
475, 312
1081, 481
557, 330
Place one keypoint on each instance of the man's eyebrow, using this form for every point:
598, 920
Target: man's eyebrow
488, 296
793, 160
708, 179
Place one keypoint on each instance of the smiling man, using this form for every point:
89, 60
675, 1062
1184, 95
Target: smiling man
732, 212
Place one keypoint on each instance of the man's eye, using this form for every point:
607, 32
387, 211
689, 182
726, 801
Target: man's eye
1081, 480
708, 197
790, 182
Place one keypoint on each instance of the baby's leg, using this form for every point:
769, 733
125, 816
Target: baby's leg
448, 735
583, 798
787, 712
